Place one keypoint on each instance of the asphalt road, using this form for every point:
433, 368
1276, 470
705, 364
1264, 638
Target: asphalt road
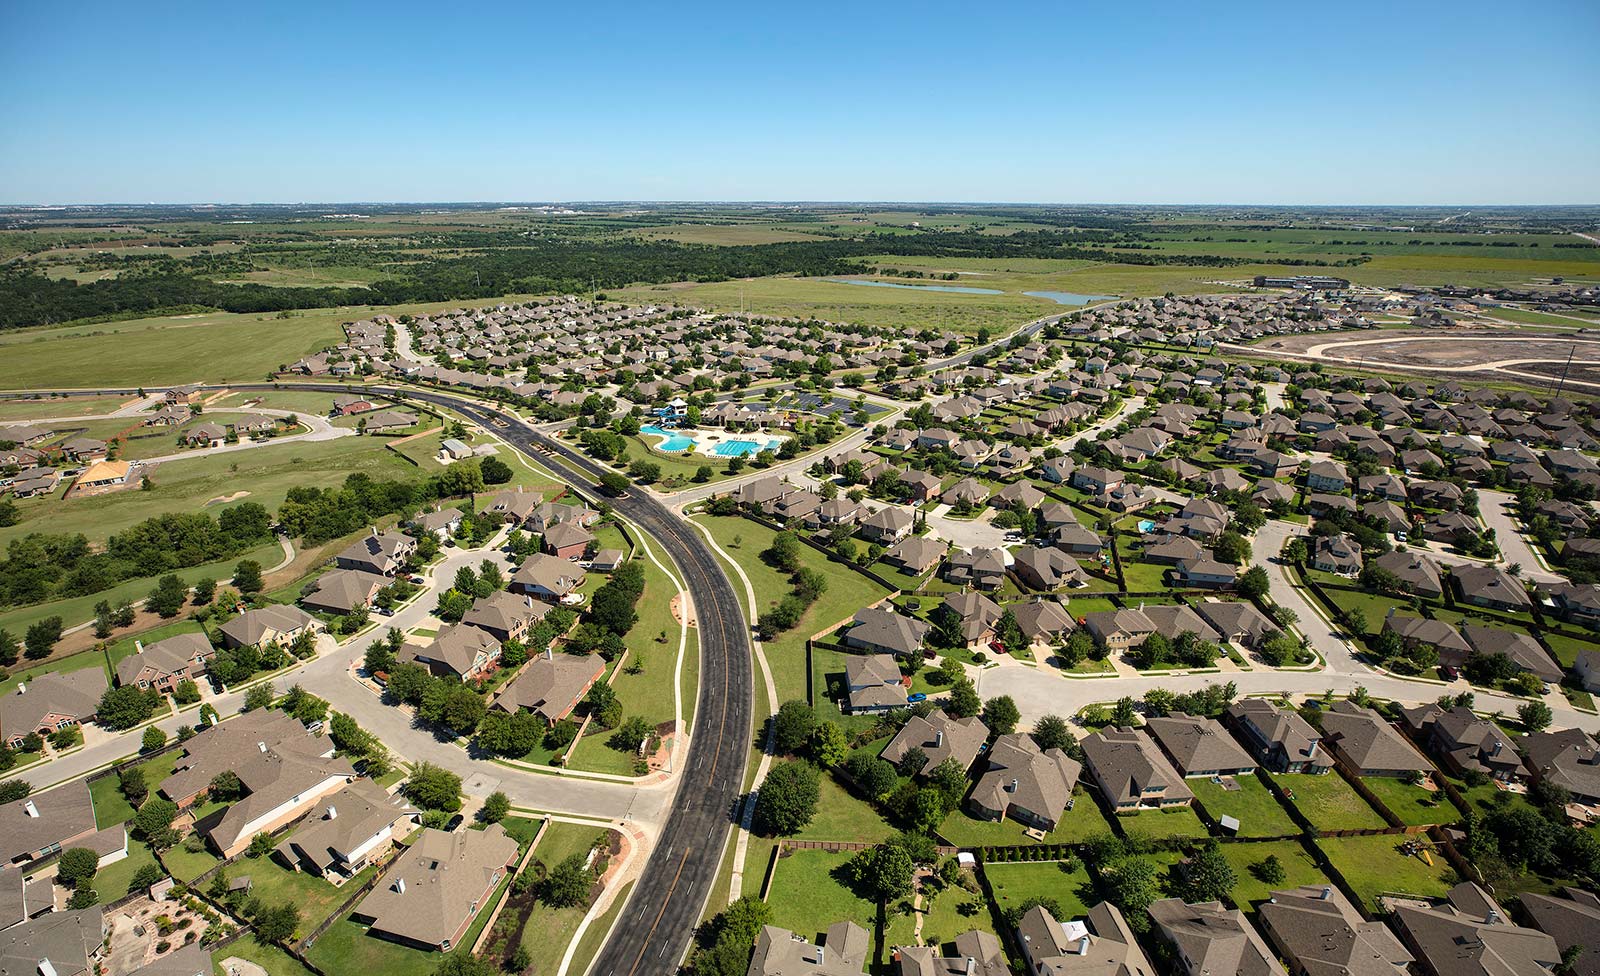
667, 903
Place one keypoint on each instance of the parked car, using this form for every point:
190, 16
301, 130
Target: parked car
916, 697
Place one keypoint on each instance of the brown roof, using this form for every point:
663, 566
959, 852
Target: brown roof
438, 883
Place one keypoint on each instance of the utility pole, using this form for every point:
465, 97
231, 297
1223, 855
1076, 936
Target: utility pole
1564, 369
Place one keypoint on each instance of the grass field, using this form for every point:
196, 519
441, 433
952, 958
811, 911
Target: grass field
841, 816
1014, 884
1373, 865
806, 897
549, 929
953, 911
1299, 868
1328, 801
847, 592
1412, 804
1155, 824
1258, 811
36, 409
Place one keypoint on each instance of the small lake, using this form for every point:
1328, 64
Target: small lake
1069, 297
890, 284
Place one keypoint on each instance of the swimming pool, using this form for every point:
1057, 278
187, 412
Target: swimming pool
742, 448
1145, 525
674, 443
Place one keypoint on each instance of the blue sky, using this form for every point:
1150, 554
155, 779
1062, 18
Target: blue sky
1392, 102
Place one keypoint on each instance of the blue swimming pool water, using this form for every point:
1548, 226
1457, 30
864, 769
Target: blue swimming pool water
736, 448
674, 443
1145, 525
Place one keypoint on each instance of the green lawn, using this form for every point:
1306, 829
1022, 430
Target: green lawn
275, 884
1328, 801
548, 929
842, 817
953, 911
1412, 804
1258, 811
110, 806
806, 897
187, 865
273, 959
1171, 822
347, 948
1083, 821
1373, 865
1014, 884
112, 880
1299, 868
12, 411
847, 591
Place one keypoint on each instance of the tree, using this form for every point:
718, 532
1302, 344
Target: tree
495, 807
604, 705
614, 484
278, 923
168, 597
784, 553
829, 745
132, 784
634, 731
8, 649
104, 619
225, 787
1122, 712
247, 577
729, 936
495, 471
41, 637
792, 726
1052, 732
1535, 716
434, 787
83, 896
568, 883
127, 706
1001, 715
154, 822
1130, 884
205, 590
787, 798
463, 964
1253, 583
964, 702
913, 761
260, 845
882, 873
1210, 877
186, 693
153, 739
873, 776
77, 866
145, 877
13, 790
259, 696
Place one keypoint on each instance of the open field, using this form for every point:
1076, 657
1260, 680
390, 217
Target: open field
1374, 865
806, 896
35, 409
1257, 810
1298, 867
1014, 884
1328, 801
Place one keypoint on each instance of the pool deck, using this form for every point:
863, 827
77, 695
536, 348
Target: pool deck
711, 443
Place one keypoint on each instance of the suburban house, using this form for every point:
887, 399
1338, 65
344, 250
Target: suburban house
382, 553
1491, 586
1427, 632
887, 525
1416, 573
1518, 645
1027, 784
1200, 746
1131, 772
1282, 740
65, 943
459, 649
1043, 621
547, 577
166, 663
1237, 622
978, 953
343, 590
1046, 568
441, 523
982, 568
41, 825
915, 555
873, 684
1101, 944
53, 701
1119, 630
1327, 476
877, 629
282, 769
1336, 554
1472, 936
1367, 744
1571, 921
430, 895
1577, 602
274, 624
346, 404
1317, 930
1075, 538
1205, 573
940, 737
567, 540
552, 685
843, 952
505, 615
1463, 741
1567, 759
348, 831
1210, 940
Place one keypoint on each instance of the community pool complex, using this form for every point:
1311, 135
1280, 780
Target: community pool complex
710, 442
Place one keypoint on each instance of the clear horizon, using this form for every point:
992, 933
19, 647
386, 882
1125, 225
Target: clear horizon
1374, 104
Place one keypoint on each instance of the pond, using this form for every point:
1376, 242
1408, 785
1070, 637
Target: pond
960, 289
1069, 297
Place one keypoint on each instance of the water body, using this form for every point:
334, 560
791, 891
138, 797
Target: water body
673, 442
1069, 297
890, 284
